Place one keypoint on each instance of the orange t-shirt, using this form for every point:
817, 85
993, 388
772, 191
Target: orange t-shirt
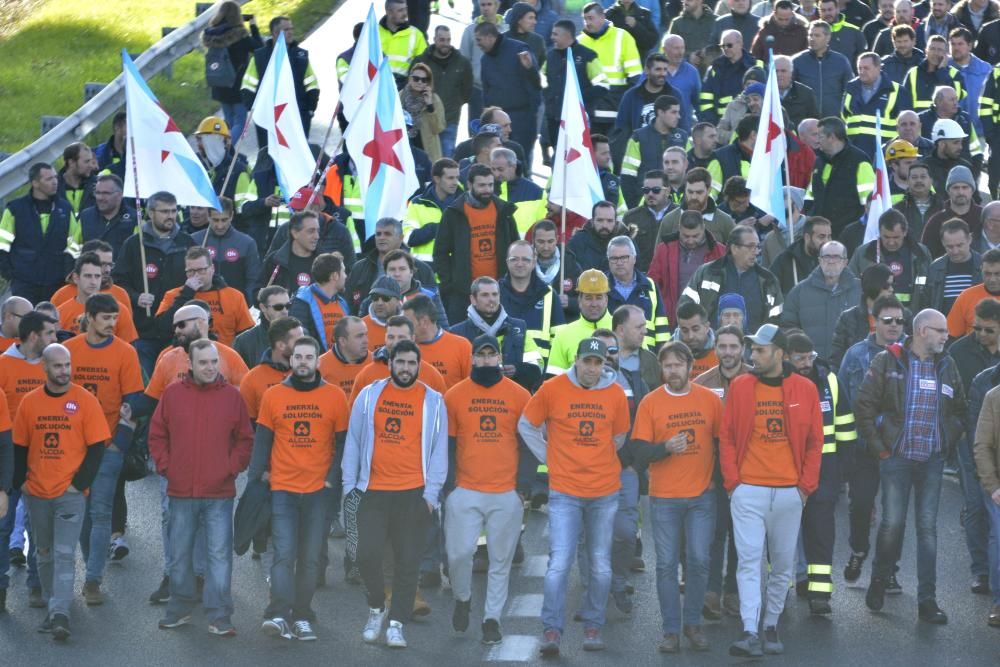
332, 313
768, 460
336, 372
230, 314
305, 424
963, 311
582, 424
174, 365
109, 372
376, 370
397, 463
255, 383
57, 430
482, 240
661, 416
6, 343
451, 355
707, 362
69, 319
18, 378
69, 291
484, 421
376, 333
5, 417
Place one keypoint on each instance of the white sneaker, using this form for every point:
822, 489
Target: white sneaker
373, 628
394, 635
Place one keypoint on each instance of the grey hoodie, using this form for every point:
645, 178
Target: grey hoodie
535, 437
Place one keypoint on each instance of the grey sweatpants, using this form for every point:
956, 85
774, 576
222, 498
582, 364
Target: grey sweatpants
766, 524
55, 529
467, 513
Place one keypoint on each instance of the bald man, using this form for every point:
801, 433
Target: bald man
59, 434
11, 312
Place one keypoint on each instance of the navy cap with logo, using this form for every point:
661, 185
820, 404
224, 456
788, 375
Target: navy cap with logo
592, 347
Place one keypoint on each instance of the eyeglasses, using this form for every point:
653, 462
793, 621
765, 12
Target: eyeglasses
194, 272
619, 259
655, 190
519, 260
183, 323
107, 265
888, 319
278, 306
419, 79
986, 330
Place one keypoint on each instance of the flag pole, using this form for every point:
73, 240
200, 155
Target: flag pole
562, 233
236, 148
788, 218
314, 182
138, 210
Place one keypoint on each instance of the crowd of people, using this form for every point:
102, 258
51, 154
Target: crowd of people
416, 392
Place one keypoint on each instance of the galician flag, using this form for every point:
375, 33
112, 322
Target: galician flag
277, 112
575, 183
157, 153
377, 142
764, 179
364, 66
881, 199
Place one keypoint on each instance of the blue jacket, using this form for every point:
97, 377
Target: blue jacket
360, 445
975, 73
855, 365
305, 308
34, 257
505, 82
529, 305
630, 117
827, 76
687, 88
723, 82
115, 231
896, 67
513, 334
236, 258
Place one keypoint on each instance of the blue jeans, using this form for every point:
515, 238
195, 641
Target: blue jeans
623, 536
674, 520
20, 525
298, 529
993, 514
7, 525
96, 533
216, 515
974, 514
899, 476
447, 138
569, 516
200, 549
236, 117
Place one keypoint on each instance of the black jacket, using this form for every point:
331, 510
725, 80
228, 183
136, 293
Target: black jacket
236, 259
643, 32
971, 357
275, 271
932, 296
589, 250
114, 231
836, 199
365, 271
240, 44
782, 265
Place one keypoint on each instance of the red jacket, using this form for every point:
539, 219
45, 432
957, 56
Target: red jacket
802, 415
801, 160
663, 270
200, 438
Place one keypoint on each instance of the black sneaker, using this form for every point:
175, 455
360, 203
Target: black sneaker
460, 617
981, 585
852, 571
491, 631
929, 612
60, 627
162, 594
892, 586
875, 597
17, 558
480, 561
430, 579
820, 606
622, 601
537, 501
802, 588
353, 576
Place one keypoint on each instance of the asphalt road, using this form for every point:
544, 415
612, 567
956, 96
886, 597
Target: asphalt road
124, 631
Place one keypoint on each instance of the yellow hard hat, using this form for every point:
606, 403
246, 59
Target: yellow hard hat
899, 149
213, 125
592, 281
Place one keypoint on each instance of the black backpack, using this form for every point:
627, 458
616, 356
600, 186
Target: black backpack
219, 69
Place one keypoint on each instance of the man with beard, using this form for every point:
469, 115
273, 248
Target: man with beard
697, 197
694, 331
107, 367
908, 260
492, 472
472, 240
424, 212
839, 438
550, 265
234, 253
383, 302
56, 484
394, 467
796, 262
165, 245
676, 433
77, 177
589, 246
297, 451
453, 82
274, 365
109, 219
522, 360
87, 275
190, 325
679, 255
592, 293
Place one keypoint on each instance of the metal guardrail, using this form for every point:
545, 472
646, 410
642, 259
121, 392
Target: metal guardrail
48, 148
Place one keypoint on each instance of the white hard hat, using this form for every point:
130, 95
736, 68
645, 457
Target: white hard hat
946, 128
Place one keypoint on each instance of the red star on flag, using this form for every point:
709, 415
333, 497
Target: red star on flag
773, 132
573, 153
380, 149
171, 127
278, 110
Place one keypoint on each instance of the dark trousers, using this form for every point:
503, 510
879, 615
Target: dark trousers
719, 551
863, 482
119, 511
524, 130
993, 169
818, 533
298, 528
31, 291
400, 518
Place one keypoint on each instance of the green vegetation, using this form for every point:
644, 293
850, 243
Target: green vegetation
54, 47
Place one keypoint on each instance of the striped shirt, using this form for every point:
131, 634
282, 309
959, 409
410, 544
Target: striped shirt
957, 278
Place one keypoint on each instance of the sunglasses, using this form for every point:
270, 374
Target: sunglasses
612, 349
381, 298
655, 190
278, 306
419, 79
986, 330
894, 320
183, 323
